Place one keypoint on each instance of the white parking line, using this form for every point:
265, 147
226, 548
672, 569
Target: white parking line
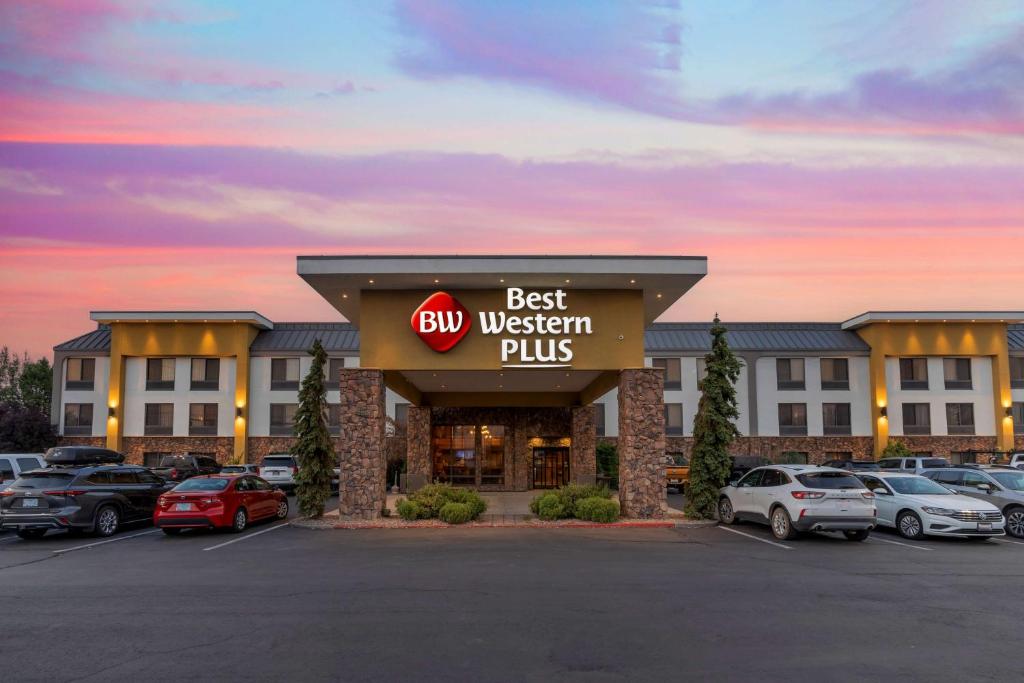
242, 538
763, 540
906, 545
1006, 540
12, 538
109, 540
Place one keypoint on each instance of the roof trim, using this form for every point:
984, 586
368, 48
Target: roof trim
250, 317
875, 317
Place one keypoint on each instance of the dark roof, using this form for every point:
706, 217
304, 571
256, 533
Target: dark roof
766, 337
336, 337
97, 340
1015, 337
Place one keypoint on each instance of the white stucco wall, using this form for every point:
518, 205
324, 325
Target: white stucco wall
97, 396
769, 396
136, 396
937, 396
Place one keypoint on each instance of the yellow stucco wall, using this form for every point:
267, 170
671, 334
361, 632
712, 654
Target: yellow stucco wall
225, 340
939, 339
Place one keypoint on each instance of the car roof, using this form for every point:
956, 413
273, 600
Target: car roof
887, 475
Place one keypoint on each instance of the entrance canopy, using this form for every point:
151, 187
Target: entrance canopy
501, 330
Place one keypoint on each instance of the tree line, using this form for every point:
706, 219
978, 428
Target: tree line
26, 387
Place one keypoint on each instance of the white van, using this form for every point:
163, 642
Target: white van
13, 464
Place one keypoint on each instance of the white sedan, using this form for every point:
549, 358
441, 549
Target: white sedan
917, 506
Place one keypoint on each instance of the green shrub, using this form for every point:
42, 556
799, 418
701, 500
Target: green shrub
551, 508
410, 510
561, 503
896, 449
456, 513
433, 498
596, 509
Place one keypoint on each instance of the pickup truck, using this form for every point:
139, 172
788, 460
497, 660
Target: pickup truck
677, 471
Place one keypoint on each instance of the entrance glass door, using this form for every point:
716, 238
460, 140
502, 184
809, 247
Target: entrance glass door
550, 467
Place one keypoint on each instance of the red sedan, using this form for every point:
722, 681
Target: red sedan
222, 501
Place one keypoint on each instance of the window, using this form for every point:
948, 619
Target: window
963, 457
771, 478
793, 419
284, 374
334, 418
282, 418
123, 477
973, 479
454, 454
917, 419
78, 419
674, 419
951, 477
27, 464
829, 480
402, 414
752, 478
838, 455
334, 366
6, 470
957, 372
159, 419
835, 373
1018, 418
794, 458
202, 419
836, 419
152, 459
492, 454
789, 373
159, 374
599, 417
960, 418
913, 373
81, 373
1017, 372
874, 483
145, 477
205, 374
673, 371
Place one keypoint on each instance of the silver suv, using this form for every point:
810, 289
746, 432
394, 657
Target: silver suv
917, 464
1000, 485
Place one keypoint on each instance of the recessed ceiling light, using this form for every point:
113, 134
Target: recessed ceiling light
436, 280
632, 282
567, 282
501, 386
659, 295
501, 280
371, 282
344, 296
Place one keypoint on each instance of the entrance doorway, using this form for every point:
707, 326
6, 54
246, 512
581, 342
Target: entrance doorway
550, 467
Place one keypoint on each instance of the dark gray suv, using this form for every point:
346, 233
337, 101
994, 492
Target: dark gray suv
81, 492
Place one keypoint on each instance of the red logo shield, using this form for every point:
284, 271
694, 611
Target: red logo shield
441, 321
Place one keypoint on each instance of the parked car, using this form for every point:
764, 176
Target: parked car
853, 465
13, 464
182, 467
1016, 461
1000, 485
280, 471
677, 471
219, 501
240, 469
917, 506
83, 489
741, 464
916, 464
795, 498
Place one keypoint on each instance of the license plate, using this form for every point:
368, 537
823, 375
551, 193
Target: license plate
30, 503
984, 527
183, 507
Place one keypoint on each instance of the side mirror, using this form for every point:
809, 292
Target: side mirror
880, 491
986, 487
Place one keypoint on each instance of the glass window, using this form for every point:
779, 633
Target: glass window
123, 477
1013, 481
152, 459
100, 478
829, 480
159, 374
790, 373
159, 419
771, 478
205, 374
957, 372
454, 454
963, 457
872, 483
402, 414
752, 478
148, 477
674, 419
599, 419
334, 367
974, 478
282, 418
244, 484
81, 373
841, 456
960, 418
334, 418
951, 477
1018, 417
27, 464
1017, 372
917, 486
262, 485
836, 419
196, 484
835, 373
492, 454
917, 418
793, 419
6, 469
284, 374
202, 419
793, 458
78, 419
673, 371
913, 373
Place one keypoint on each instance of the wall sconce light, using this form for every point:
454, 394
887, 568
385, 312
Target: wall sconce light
238, 411
884, 411
111, 412
1009, 411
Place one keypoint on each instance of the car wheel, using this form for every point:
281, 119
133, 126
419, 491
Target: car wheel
909, 525
1015, 522
782, 526
31, 534
108, 521
726, 515
170, 531
282, 509
240, 521
856, 535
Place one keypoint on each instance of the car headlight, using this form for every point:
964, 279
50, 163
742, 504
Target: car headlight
945, 512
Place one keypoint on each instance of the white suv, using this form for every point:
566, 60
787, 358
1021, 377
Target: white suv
795, 498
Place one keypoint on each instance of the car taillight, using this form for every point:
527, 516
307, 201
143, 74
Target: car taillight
68, 492
174, 473
294, 470
8, 492
804, 495
209, 502
867, 494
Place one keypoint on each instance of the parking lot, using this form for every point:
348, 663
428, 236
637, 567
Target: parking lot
280, 602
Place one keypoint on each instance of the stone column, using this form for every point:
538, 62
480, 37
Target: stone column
362, 492
584, 445
417, 430
642, 443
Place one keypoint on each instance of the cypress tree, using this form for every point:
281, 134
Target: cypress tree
313, 449
714, 428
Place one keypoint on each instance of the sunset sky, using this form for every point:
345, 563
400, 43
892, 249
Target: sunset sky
827, 157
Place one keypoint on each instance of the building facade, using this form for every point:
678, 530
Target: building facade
549, 356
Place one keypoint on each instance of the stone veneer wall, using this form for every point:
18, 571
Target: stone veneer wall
221, 447
417, 432
584, 445
361, 447
642, 443
259, 447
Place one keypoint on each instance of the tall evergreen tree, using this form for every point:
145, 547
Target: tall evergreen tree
313, 449
714, 428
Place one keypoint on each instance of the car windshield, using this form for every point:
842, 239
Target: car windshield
277, 462
830, 480
1010, 480
39, 480
197, 484
917, 486
173, 461
677, 459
